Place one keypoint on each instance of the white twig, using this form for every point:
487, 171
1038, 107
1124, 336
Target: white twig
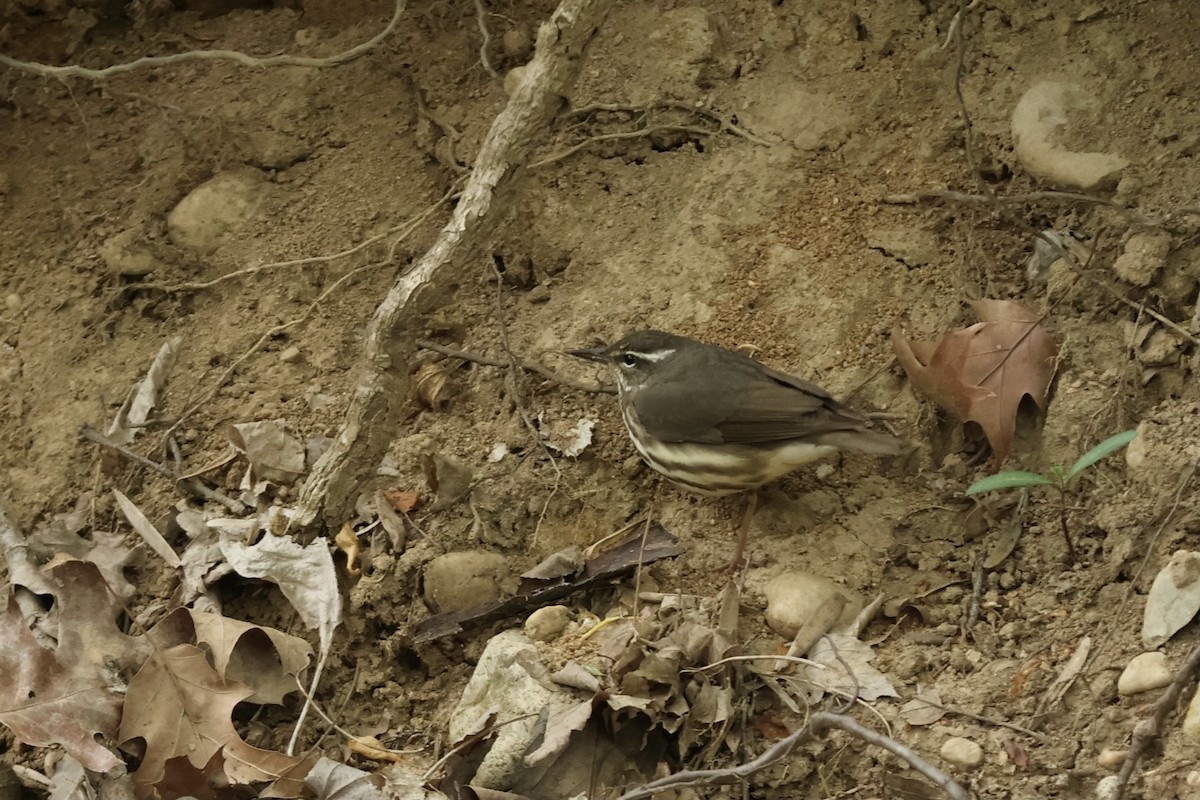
481, 18
76, 71
381, 382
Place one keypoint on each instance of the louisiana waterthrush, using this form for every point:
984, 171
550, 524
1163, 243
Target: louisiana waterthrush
717, 422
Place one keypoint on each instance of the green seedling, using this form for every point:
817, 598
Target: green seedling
1057, 478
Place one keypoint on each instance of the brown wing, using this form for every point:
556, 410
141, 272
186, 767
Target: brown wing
742, 402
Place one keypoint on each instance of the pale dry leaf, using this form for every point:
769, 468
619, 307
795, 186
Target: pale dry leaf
565, 719
274, 454
305, 574
146, 529
1174, 598
981, 373
924, 709
267, 660
134, 414
331, 780
177, 705
835, 652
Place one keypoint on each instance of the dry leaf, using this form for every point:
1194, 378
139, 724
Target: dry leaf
429, 385
981, 373
144, 528
177, 705
132, 416
72, 694
401, 501
274, 454
1017, 754
267, 660
1174, 598
924, 709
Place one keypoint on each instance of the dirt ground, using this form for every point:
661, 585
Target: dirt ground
776, 232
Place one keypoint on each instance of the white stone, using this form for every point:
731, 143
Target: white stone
1144, 672
1046, 116
962, 752
793, 598
501, 686
1107, 788
1145, 253
1111, 758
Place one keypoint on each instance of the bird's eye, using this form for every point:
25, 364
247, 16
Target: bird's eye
629, 360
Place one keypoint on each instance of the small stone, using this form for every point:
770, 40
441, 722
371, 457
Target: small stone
1111, 758
1191, 720
538, 294
1145, 672
516, 42
1007, 580
962, 752
12, 301
1144, 255
383, 563
546, 624
1046, 123
631, 467
290, 355
795, 597
468, 578
513, 80
214, 210
125, 254
306, 37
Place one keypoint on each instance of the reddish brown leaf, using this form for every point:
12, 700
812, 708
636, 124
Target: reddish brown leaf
770, 727
401, 501
1017, 754
980, 374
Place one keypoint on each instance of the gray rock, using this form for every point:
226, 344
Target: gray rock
546, 624
126, 255
1047, 122
1144, 255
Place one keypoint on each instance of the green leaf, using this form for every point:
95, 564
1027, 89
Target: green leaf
1106, 448
1009, 479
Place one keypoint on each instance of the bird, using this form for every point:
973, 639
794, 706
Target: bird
718, 422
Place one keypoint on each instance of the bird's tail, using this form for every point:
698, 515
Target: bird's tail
869, 442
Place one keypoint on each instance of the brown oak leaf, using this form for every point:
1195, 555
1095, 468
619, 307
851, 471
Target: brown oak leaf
72, 693
177, 705
981, 373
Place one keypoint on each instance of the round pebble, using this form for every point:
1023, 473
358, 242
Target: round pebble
794, 597
456, 581
1111, 758
1106, 789
546, 624
290, 355
962, 752
1144, 673
13, 301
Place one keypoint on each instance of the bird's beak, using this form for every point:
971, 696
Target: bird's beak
598, 353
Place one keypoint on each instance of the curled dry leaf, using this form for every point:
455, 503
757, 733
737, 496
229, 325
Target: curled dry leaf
1174, 599
981, 373
429, 386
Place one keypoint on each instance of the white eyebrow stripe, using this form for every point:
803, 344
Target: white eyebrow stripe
653, 357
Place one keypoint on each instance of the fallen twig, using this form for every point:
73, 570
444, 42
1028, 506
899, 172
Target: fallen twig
188, 485
481, 18
726, 122
528, 366
381, 384
817, 724
1150, 728
75, 71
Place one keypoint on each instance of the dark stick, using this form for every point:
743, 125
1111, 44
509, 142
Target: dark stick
528, 366
189, 485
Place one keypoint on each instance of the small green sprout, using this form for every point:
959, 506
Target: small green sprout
1057, 478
